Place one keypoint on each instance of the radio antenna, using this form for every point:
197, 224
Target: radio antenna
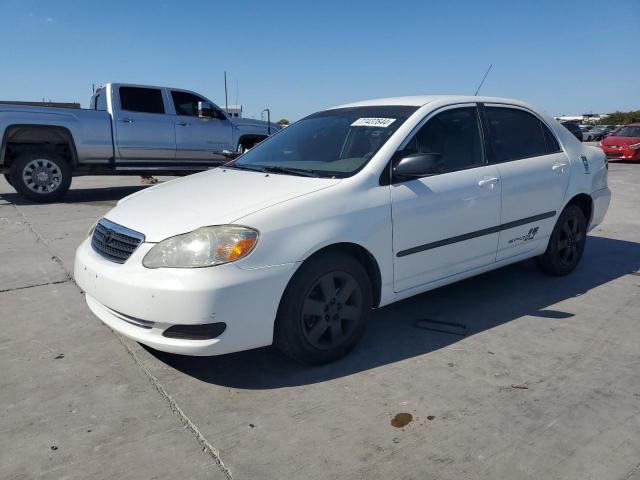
483, 78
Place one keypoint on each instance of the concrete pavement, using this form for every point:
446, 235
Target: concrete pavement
543, 383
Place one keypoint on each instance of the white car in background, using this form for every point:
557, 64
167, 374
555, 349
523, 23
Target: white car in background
347, 210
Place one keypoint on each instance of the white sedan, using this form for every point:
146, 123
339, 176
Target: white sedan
349, 209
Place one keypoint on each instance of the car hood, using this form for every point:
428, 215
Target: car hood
613, 140
216, 197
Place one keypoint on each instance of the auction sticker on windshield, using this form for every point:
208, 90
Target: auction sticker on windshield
373, 122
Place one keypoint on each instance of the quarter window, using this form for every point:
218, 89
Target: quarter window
516, 134
455, 135
146, 100
186, 103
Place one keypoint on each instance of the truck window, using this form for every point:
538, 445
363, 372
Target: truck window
186, 103
100, 100
146, 100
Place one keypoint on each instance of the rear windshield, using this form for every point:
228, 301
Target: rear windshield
628, 132
333, 143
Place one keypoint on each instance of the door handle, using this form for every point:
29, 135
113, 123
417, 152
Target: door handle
127, 120
484, 181
559, 166
184, 124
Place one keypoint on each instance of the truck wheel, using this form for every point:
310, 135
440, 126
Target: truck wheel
41, 176
324, 310
566, 243
7, 177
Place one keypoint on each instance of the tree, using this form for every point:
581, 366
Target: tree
283, 121
621, 118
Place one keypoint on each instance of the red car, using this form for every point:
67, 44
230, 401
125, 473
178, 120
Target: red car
624, 144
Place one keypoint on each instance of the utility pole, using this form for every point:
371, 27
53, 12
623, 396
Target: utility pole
226, 101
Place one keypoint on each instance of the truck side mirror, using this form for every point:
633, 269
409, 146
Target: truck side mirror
206, 110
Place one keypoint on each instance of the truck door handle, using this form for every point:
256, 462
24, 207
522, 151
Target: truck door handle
559, 166
127, 120
184, 124
484, 181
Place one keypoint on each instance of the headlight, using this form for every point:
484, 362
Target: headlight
204, 247
635, 146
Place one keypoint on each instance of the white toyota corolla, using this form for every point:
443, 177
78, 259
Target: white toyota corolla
349, 209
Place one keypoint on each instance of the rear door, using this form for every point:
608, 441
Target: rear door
534, 171
144, 132
446, 223
199, 138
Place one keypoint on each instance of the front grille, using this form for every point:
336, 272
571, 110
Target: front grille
115, 242
614, 154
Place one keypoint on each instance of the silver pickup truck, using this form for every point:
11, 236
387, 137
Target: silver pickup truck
129, 130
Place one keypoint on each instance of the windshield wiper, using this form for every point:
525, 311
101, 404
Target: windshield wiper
245, 167
291, 171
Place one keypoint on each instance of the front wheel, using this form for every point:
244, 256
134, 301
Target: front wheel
566, 244
324, 310
41, 176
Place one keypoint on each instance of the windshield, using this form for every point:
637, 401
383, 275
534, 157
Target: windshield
628, 132
333, 143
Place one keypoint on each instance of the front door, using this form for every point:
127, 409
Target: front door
534, 172
143, 129
197, 138
446, 223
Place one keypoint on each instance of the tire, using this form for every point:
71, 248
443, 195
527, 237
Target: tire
41, 176
566, 244
324, 309
7, 177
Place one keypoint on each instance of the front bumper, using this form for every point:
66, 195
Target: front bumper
623, 153
142, 303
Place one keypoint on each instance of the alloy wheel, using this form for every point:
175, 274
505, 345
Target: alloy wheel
332, 310
42, 175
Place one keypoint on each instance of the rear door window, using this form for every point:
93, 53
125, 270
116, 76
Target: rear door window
516, 134
145, 100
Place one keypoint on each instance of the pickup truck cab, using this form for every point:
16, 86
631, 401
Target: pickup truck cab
129, 130
348, 209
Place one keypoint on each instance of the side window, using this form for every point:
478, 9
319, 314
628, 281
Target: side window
186, 103
514, 134
455, 135
550, 142
146, 100
101, 100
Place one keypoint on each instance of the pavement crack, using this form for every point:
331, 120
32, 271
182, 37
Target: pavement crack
175, 408
42, 240
57, 282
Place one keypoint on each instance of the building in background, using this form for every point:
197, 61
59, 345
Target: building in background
234, 110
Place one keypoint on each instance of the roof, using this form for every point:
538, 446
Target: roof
420, 100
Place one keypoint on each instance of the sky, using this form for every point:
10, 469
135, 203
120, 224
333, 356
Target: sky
297, 57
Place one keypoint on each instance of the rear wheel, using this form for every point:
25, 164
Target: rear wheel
41, 176
566, 244
324, 310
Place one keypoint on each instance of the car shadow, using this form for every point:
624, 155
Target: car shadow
412, 327
107, 195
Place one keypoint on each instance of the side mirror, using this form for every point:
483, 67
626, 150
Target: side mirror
418, 165
207, 110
